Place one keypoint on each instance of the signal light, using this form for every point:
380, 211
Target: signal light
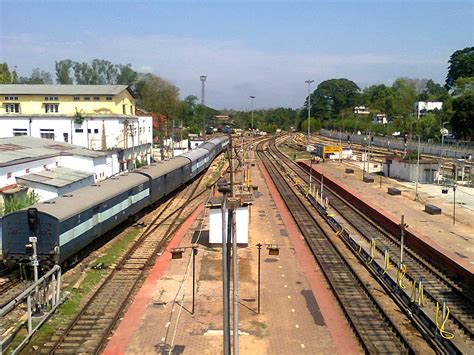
33, 220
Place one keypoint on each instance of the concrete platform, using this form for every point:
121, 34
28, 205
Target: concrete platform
298, 312
454, 240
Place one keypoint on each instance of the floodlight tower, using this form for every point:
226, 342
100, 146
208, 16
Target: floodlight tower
203, 79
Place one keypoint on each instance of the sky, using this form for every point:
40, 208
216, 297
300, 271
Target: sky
265, 49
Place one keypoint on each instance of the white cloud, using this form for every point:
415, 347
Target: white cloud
234, 70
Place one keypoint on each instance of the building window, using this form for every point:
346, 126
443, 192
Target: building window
9, 175
51, 108
131, 110
27, 170
47, 133
11, 98
50, 98
79, 130
123, 109
87, 98
66, 137
12, 108
96, 130
20, 132
76, 98
88, 130
96, 98
45, 167
109, 98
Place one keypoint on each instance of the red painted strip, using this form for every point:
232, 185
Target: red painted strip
340, 332
119, 342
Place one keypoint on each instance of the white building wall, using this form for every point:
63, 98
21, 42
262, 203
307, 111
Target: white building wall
21, 169
89, 134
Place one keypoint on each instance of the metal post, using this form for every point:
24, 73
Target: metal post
194, 274
310, 174
322, 185
236, 286
402, 237
203, 79
28, 301
454, 204
417, 167
225, 280
309, 107
252, 97
259, 246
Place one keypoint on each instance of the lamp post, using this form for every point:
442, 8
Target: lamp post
417, 167
252, 97
309, 82
443, 132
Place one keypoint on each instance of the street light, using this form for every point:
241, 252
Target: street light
309, 82
252, 97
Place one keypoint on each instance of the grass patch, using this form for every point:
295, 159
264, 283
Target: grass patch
259, 328
66, 311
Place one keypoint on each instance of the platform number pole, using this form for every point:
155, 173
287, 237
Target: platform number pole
194, 249
402, 237
33, 222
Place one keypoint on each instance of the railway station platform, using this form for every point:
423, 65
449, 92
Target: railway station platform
456, 241
298, 312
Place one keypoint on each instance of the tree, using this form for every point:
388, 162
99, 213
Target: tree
5, 74
126, 75
378, 98
461, 65
435, 91
331, 96
104, 72
63, 68
404, 94
463, 121
463, 86
158, 95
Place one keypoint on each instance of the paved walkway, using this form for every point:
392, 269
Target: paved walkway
298, 313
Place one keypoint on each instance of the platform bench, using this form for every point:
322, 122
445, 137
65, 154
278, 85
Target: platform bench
349, 171
394, 191
368, 178
432, 209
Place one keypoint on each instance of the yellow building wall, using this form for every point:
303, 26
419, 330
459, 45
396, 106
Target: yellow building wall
35, 104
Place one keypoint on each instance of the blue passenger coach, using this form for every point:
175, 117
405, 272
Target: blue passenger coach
70, 222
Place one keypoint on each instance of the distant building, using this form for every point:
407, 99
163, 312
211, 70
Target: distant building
421, 108
98, 117
361, 110
380, 118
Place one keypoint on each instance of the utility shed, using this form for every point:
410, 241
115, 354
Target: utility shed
403, 169
56, 182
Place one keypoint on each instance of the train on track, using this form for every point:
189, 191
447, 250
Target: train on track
69, 223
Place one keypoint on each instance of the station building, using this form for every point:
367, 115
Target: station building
97, 117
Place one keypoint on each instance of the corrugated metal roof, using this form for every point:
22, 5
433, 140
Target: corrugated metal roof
64, 207
37, 89
57, 177
14, 150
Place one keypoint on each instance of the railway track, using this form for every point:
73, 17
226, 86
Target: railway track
437, 286
89, 330
374, 329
